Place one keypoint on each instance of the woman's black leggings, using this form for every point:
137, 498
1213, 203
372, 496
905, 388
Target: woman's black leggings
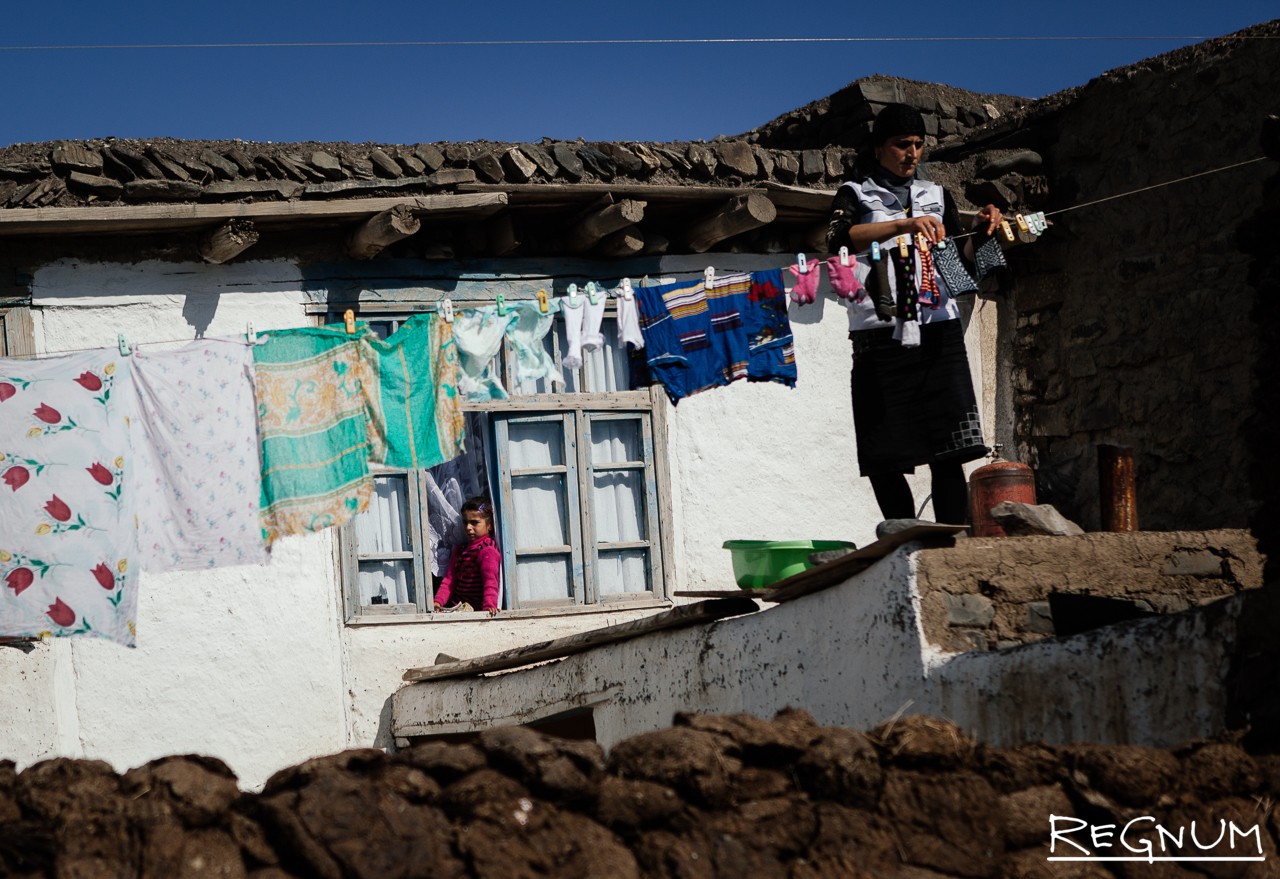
950, 494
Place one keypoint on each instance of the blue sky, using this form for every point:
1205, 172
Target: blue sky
409, 94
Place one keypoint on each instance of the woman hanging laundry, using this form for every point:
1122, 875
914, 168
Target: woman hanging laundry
913, 400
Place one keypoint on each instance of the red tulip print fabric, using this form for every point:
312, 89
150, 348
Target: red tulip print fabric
66, 512
195, 441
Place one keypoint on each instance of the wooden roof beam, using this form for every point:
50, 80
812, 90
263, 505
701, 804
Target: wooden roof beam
738, 215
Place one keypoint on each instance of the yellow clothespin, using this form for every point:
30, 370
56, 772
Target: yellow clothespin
543, 305
1022, 222
349, 320
844, 256
1007, 230
922, 243
904, 247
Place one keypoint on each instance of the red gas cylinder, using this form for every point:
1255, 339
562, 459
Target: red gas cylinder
993, 483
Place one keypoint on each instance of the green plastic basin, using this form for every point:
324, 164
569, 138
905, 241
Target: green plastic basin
758, 564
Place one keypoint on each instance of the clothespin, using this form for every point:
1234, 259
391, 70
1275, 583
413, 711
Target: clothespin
592, 292
802, 263
543, 305
922, 243
249, 335
445, 309
904, 246
709, 275
844, 256
1007, 230
875, 251
1022, 223
1041, 224
573, 296
124, 348
627, 292
349, 320
500, 303
941, 245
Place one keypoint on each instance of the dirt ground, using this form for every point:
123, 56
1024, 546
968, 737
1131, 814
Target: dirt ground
713, 796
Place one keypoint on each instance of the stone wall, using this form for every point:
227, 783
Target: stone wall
993, 592
1134, 321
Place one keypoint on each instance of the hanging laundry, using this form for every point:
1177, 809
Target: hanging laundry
629, 321
593, 318
946, 258
844, 281
726, 299
574, 309
771, 353
194, 431
67, 564
805, 291
416, 372
320, 423
478, 333
676, 324
988, 257
526, 332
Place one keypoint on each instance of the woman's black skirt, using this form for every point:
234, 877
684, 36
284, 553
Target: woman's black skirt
913, 406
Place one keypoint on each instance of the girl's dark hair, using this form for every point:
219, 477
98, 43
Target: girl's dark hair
479, 504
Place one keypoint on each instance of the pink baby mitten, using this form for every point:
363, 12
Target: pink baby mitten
806, 289
843, 280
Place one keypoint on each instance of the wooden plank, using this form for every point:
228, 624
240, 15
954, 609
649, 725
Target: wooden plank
576, 193
557, 648
824, 576
382, 229
797, 198
136, 218
663, 472
19, 332
736, 216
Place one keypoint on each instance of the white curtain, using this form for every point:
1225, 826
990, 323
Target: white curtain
623, 571
383, 528
541, 508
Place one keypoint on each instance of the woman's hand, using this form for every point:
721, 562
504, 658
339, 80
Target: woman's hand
991, 216
929, 226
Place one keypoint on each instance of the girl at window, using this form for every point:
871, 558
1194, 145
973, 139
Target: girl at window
474, 569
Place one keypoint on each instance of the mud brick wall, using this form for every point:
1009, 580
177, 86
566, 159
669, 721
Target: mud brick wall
1134, 321
990, 592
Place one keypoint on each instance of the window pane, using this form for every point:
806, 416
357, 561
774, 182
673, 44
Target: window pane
388, 582
607, 368
384, 526
618, 502
615, 441
544, 578
623, 571
541, 509
536, 444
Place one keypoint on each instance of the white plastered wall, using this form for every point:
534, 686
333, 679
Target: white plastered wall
256, 666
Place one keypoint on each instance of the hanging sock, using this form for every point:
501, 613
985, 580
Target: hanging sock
67, 499
907, 324
930, 294
194, 433
592, 318
988, 258
843, 279
805, 291
574, 310
946, 259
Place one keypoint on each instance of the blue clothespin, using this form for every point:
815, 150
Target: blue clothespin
124, 348
875, 251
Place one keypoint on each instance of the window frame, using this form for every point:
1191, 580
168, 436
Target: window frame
648, 405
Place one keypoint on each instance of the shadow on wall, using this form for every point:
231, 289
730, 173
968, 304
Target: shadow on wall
198, 310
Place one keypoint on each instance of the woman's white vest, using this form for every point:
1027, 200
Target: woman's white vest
878, 205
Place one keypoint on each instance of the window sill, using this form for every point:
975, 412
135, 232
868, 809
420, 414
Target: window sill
539, 613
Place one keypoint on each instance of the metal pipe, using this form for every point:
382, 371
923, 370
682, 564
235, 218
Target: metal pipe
1117, 492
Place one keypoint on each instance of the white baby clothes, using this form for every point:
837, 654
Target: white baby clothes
592, 318
195, 440
66, 498
478, 333
574, 313
629, 322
